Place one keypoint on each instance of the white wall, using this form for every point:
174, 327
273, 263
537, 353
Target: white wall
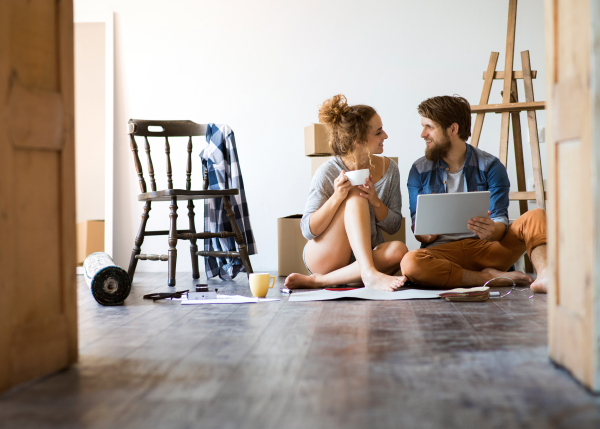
89, 119
265, 66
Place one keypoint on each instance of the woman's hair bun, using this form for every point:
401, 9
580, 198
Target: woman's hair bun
332, 110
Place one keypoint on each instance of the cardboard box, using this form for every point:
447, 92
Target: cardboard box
316, 140
399, 236
290, 246
317, 161
90, 238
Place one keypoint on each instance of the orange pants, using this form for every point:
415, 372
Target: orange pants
443, 265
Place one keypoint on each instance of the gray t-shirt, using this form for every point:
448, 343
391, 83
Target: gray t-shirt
387, 188
455, 182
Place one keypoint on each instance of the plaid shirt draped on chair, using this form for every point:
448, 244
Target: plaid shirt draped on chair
220, 159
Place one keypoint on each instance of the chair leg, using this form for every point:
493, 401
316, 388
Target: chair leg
193, 245
239, 238
139, 239
172, 241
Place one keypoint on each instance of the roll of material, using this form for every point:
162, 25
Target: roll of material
110, 284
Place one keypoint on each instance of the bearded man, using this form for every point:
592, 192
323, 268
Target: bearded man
451, 165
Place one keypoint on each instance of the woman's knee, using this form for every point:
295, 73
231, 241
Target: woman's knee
354, 192
388, 255
395, 252
354, 196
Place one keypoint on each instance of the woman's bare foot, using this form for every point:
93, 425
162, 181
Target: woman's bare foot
521, 279
380, 281
540, 285
402, 280
300, 281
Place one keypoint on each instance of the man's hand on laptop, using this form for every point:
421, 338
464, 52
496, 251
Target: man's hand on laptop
484, 227
427, 238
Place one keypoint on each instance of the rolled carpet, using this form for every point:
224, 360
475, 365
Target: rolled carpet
110, 284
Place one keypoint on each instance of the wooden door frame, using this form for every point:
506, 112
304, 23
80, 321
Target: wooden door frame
595, 144
573, 336
106, 18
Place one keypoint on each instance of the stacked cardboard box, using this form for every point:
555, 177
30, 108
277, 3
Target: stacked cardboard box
291, 242
316, 141
290, 246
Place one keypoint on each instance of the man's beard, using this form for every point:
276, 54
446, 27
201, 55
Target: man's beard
438, 150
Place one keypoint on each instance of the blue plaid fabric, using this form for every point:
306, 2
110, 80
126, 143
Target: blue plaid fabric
220, 159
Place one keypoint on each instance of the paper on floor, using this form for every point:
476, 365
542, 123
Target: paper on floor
227, 299
366, 293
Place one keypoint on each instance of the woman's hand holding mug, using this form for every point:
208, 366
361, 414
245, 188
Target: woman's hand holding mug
368, 192
341, 187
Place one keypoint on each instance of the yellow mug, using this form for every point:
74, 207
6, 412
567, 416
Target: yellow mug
260, 284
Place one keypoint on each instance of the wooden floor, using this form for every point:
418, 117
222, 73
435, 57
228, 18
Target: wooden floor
344, 364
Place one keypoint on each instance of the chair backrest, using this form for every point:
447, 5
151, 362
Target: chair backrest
166, 129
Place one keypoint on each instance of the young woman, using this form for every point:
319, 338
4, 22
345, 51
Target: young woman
342, 222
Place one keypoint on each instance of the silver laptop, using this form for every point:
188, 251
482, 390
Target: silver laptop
449, 213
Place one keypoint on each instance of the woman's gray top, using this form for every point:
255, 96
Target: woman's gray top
387, 188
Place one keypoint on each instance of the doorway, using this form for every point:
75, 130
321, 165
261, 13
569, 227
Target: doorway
94, 107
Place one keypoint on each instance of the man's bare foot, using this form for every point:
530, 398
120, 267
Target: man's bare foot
521, 279
380, 281
540, 285
300, 281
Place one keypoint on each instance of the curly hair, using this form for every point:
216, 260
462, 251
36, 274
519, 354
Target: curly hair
447, 110
348, 125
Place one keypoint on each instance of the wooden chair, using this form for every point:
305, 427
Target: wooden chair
145, 128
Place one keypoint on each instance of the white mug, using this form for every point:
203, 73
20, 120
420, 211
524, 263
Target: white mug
357, 177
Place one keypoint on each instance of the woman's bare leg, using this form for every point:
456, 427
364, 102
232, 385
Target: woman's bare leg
331, 250
349, 230
386, 256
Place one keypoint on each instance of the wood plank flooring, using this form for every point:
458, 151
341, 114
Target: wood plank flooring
343, 364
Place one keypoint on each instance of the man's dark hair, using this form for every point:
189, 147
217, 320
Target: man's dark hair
446, 110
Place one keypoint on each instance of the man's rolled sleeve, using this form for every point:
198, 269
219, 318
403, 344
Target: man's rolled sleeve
499, 187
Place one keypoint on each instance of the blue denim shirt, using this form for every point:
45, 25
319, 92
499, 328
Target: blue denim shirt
482, 172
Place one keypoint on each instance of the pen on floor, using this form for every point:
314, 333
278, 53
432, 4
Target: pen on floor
285, 290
